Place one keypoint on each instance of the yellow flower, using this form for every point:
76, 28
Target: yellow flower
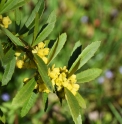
22, 60
17, 53
25, 79
42, 87
41, 45
41, 51
19, 63
53, 72
75, 88
72, 86
64, 69
72, 78
60, 80
6, 21
45, 60
46, 51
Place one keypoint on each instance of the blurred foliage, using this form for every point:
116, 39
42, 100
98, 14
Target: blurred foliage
88, 21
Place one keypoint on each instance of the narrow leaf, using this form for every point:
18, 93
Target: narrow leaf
36, 27
39, 8
45, 100
11, 5
43, 71
79, 120
8, 56
52, 17
73, 106
1, 113
58, 45
53, 45
80, 100
3, 119
28, 104
2, 4
24, 93
116, 114
8, 5
76, 63
1, 51
9, 70
75, 53
89, 52
19, 4
88, 75
13, 38
47, 30
17, 19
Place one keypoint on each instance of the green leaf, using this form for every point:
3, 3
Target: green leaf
52, 17
43, 71
24, 93
8, 56
7, 6
1, 113
75, 53
28, 104
1, 52
39, 8
45, 100
74, 64
88, 52
3, 119
36, 28
58, 45
73, 106
115, 112
11, 5
47, 30
19, 4
88, 75
2, 3
13, 38
80, 100
17, 19
9, 70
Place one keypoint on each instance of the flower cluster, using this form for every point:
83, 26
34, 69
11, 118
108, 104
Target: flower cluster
60, 79
23, 61
59, 76
19, 62
4, 21
41, 86
41, 51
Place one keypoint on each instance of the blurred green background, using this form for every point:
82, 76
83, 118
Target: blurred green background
87, 21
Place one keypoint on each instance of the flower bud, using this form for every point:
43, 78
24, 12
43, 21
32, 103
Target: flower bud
19, 63
6, 21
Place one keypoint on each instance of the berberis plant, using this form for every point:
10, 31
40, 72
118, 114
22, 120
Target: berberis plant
38, 55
